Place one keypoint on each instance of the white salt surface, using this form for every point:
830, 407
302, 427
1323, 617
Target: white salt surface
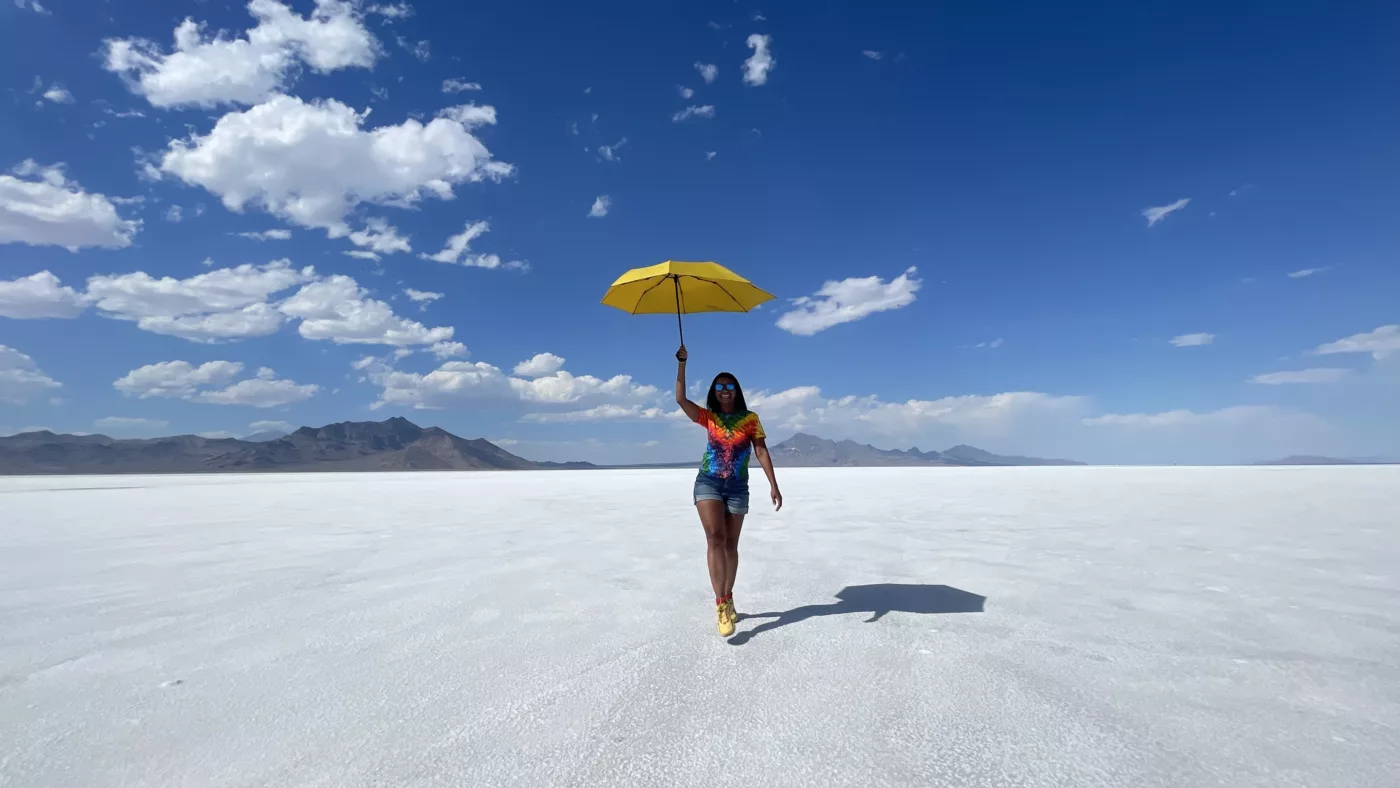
1141, 627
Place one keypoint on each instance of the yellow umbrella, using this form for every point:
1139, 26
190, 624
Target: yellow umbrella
683, 288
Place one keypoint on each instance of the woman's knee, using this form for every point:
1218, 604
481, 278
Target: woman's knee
717, 538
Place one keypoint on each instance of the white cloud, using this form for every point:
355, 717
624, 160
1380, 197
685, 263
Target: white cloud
227, 303
271, 426
994, 344
215, 435
392, 11
685, 92
601, 206
51, 210
758, 65
1314, 375
1306, 272
1237, 415
269, 235
423, 297
39, 295
1192, 340
21, 380
337, 309
1381, 343
458, 382
872, 54
129, 424
380, 237
709, 155
446, 350
707, 111
599, 413
459, 86
313, 163
33, 5
1159, 213
539, 365
457, 250
848, 300
212, 383
423, 50
58, 95
208, 72
708, 71
360, 254
610, 152
174, 213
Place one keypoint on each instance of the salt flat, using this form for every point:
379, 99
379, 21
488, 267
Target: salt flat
1031, 627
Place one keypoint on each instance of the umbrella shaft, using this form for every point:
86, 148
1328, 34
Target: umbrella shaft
680, 307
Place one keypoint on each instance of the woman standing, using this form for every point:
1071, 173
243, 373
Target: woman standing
722, 486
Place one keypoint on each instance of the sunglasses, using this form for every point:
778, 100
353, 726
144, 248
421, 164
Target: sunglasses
724, 387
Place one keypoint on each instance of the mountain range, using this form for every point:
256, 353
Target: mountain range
809, 451
396, 444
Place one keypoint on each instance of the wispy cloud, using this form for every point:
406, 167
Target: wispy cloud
708, 71
459, 86
1381, 343
849, 300
268, 235
709, 155
1161, 212
610, 152
707, 111
1193, 340
757, 66
873, 55
685, 91
1315, 375
1306, 272
600, 208
994, 344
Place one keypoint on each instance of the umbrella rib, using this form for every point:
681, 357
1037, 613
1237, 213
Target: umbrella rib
648, 290
726, 292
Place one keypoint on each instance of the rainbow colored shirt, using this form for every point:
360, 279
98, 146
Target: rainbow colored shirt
730, 443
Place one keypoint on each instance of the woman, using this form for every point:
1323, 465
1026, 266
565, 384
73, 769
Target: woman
722, 486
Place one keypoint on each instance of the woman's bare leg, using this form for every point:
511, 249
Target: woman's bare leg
734, 523
713, 519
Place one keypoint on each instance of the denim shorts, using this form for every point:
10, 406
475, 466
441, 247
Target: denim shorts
733, 492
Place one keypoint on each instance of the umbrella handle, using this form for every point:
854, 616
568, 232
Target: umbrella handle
680, 307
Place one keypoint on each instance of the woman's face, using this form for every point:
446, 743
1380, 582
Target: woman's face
724, 391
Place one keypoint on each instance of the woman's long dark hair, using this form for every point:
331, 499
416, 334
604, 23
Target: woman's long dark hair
712, 402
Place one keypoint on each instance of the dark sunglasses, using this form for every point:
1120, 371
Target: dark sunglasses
724, 387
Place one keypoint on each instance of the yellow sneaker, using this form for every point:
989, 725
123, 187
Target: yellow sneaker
726, 623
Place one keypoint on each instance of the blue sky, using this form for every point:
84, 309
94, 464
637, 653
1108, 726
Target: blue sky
1113, 232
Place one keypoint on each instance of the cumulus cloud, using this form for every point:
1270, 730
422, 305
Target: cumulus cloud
539, 365
757, 66
446, 350
601, 206
212, 383
1314, 375
337, 309
37, 296
313, 163
600, 413
209, 71
58, 95
227, 303
708, 71
1381, 343
685, 92
458, 382
458, 251
21, 380
849, 300
707, 111
42, 207
1161, 212
1192, 340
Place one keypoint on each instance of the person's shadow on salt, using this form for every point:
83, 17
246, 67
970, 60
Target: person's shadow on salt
877, 599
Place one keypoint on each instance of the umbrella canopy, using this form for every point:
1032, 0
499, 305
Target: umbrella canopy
683, 288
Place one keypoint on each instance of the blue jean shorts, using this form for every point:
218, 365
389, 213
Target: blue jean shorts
733, 492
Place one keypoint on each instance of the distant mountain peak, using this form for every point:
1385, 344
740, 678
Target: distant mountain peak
805, 449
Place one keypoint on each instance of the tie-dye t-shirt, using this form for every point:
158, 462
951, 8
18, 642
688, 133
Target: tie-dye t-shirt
730, 444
